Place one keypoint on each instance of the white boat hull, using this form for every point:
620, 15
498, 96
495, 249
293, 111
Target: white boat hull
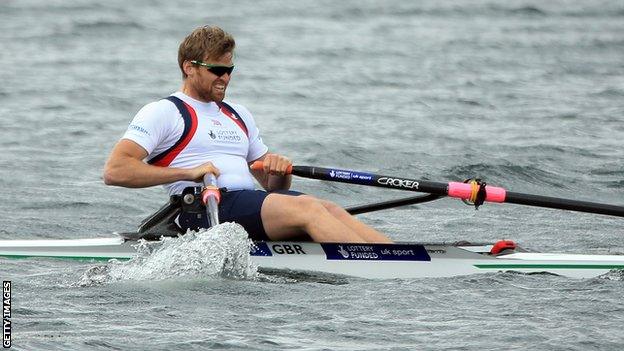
373, 261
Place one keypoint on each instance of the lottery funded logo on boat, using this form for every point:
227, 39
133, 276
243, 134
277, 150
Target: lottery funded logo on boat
376, 252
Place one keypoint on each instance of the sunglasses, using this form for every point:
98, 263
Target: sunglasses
217, 70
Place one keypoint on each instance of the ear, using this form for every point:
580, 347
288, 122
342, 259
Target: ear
188, 67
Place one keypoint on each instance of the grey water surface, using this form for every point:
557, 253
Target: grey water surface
528, 95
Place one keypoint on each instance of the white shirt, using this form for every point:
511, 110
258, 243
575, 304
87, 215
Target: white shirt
218, 139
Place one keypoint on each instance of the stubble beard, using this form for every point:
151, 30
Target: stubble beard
213, 94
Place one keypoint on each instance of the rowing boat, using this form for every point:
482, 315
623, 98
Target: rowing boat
376, 261
373, 261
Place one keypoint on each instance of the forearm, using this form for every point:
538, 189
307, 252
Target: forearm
132, 173
273, 173
275, 182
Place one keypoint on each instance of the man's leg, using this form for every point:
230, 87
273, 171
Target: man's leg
280, 222
364, 231
285, 216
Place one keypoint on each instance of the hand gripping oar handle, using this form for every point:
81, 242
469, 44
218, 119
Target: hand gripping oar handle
211, 196
453, 189
259, 165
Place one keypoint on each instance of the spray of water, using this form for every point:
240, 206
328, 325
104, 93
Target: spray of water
222, 251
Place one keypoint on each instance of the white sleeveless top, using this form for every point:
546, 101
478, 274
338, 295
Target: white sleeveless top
218, 139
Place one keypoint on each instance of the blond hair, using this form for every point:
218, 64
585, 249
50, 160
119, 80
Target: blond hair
205, 43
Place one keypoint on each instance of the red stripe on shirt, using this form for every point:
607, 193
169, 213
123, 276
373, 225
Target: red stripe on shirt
166, 161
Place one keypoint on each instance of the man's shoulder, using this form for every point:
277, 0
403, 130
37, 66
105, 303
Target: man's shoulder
158, 108
163, 103
240, 109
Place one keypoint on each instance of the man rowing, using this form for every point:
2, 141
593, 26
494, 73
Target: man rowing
177, 140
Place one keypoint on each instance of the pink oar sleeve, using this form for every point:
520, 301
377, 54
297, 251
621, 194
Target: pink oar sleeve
464, 191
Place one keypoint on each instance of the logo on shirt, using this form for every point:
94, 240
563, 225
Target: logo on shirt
138, 129
215, 122
226, 136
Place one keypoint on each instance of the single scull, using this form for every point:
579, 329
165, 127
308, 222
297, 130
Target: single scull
375, 261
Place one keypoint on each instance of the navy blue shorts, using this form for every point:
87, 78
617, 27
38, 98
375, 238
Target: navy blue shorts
240, 206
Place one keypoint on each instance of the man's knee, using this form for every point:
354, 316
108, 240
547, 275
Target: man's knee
308, 205
300, 210
315, 205
333, 208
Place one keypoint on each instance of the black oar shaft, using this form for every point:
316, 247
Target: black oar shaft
362, 178
564, 204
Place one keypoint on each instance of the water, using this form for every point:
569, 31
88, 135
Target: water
527, 96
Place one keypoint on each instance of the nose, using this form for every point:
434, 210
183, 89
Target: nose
225, 77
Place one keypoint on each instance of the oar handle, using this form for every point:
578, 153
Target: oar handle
259, 165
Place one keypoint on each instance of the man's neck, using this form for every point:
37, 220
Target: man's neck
188, 90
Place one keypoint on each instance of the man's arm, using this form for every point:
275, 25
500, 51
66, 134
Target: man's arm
273, 176
125, 167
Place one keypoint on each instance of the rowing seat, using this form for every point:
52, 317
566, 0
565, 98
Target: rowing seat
160, 223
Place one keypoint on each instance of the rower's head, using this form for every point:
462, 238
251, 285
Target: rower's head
205, 59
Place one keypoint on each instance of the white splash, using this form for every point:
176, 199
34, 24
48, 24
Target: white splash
222, 251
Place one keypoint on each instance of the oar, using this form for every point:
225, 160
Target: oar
377, 206
465, 191
211, 197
